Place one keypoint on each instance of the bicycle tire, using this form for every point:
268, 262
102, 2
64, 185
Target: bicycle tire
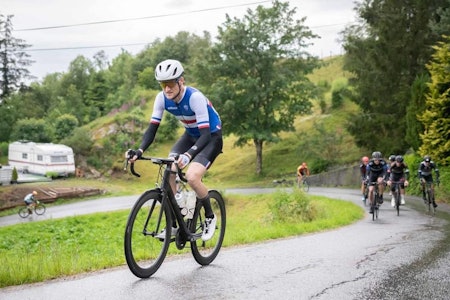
23, 212
375, 206
397, 200
144, 252
305, 186
205, 252
39, 209
431, 208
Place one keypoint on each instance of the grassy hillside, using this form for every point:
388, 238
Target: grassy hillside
319, 138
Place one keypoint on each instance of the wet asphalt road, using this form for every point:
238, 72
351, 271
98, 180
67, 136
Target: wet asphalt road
395, 257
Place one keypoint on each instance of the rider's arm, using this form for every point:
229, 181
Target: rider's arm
436, 171
150, 133
149, 136
406, 173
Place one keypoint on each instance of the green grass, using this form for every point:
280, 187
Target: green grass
44, 250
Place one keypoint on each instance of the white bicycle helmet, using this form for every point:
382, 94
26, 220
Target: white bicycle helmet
168, 70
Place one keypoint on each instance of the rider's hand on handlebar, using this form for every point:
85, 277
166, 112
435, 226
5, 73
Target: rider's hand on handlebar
183, 160
133, 155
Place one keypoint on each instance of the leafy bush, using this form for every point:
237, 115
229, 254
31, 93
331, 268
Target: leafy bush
292, 207
51, 174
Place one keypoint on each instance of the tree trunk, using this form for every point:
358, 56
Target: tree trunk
259, 147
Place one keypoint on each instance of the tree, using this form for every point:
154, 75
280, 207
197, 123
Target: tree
414, 127
385, 53
64, 126
436, 118
13, 59
256, 73
36, 130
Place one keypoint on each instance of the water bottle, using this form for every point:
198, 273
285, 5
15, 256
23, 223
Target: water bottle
191, 200
181, 201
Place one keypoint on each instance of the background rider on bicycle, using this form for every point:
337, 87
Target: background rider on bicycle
376, 174
398, 173
363, 171
202, 140
302, 172
30, 201
425, 175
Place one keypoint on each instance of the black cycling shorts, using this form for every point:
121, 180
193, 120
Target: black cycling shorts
207, 155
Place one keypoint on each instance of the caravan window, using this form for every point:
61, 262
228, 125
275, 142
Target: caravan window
39, 157
58, 159
25, 155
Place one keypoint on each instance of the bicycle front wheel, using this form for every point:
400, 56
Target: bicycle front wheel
39, 209
431, 208
144, 252
305, 186
397, 200
205, 252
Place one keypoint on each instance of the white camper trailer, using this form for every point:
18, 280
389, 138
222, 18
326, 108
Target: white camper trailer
42, 158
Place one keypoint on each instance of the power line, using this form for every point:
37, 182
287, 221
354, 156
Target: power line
140, 44
140, 18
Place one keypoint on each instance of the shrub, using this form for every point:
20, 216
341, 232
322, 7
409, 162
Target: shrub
292, 207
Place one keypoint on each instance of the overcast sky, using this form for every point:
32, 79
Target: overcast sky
139, 22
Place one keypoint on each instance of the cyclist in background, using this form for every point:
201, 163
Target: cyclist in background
376, 174
30, 201
201, 141
362, 170
302, 172
425, 175
398, 173
391, 160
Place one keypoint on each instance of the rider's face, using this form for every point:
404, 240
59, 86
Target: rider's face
172, 88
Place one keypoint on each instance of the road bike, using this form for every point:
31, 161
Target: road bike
38, 208
429, 195
303, 184
397, 195
375, 204
157, 211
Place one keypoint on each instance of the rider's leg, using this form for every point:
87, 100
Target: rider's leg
194, 175
371, 187
424, 197
391, 190
432, 193
380, 188
402, 196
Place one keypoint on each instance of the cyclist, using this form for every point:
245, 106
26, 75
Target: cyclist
302, 171
399, 173
201, 141
362, 170
425, 175
391, 161
30, 201
376, 174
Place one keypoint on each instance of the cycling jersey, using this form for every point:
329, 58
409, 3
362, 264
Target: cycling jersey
194, 111
398, 171
374, 171
425, 170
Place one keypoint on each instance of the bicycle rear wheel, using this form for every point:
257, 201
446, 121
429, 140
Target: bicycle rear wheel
205, 252
39, 209
144, 252
23, 212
